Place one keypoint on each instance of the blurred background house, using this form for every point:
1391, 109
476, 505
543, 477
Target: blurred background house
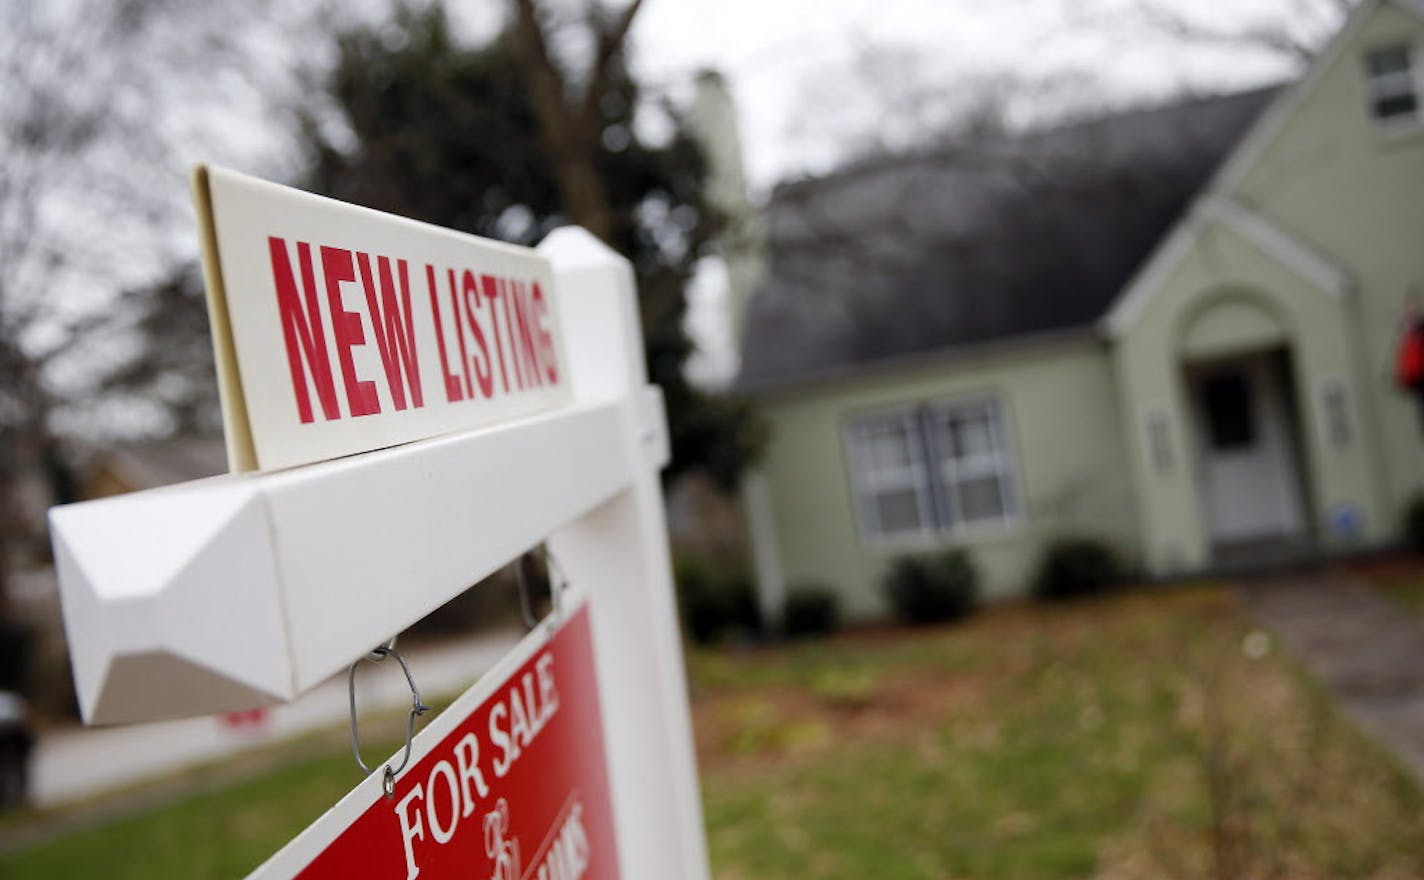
1169, 330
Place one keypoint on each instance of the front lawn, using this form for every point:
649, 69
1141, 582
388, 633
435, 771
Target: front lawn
1148, 735
1141, 736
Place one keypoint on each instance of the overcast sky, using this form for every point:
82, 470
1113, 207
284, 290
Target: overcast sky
775, 52
791, 69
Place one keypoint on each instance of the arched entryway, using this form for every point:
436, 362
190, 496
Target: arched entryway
1245, 426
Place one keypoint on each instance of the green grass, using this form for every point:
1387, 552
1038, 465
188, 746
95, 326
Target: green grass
1128, 737
224, 832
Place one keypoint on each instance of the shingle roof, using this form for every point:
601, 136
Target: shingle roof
968, 244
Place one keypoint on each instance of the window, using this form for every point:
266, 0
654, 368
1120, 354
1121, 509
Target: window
933, 468
1229, 419
1392, 82
890, 476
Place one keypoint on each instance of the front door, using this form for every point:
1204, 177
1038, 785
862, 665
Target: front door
1248, 469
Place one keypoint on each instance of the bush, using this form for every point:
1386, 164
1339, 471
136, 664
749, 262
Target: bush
1073, 567
933, 587
1414, 524
810, 610
715, 602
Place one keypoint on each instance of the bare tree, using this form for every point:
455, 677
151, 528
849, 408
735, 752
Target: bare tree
92, 195
567, 102
1295, 32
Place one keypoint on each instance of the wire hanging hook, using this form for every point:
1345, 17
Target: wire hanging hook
417, 708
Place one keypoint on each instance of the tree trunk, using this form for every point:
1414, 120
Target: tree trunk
570, 130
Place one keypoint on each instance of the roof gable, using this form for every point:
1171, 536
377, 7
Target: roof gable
1215, 203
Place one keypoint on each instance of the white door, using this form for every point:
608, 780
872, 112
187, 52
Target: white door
1248, 468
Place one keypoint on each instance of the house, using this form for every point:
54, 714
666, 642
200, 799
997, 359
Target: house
1170, 329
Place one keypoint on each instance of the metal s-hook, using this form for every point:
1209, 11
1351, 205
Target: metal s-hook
417, 707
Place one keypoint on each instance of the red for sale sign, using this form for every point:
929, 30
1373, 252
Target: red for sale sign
509, 783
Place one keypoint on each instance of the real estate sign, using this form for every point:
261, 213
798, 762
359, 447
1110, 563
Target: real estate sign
340, 329
508, 783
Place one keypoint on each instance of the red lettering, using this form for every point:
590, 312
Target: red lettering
507, 289
394, 332
484, 370
525, 354
491, 289
301, 330
546, 339
346, 327
453, 391
464, 351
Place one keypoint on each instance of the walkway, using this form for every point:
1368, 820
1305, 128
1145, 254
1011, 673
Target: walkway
1368, 651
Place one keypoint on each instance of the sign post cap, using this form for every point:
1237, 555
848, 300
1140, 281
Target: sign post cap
162, 615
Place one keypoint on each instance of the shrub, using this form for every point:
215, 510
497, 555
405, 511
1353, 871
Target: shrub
1072, 567
933, 587
714, 602
810, 610
1414, 524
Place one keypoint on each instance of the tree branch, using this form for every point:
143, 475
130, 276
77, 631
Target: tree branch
610, 41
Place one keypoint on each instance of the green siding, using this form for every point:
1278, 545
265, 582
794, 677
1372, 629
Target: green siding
1078, 412
1353, 193
1062, 419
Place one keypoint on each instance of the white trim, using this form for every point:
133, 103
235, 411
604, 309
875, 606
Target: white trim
1257, 141
1390, 128
766, 552
1275, 242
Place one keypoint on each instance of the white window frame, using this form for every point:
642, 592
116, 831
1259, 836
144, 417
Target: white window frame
936, 482
999, 461
868, 481
1380, 88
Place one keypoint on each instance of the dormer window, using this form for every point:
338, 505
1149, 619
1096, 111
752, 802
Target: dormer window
1392, 78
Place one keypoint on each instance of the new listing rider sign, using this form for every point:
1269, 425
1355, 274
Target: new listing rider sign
339, 329
509, 783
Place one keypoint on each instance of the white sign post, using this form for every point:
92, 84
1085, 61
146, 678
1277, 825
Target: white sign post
238, 591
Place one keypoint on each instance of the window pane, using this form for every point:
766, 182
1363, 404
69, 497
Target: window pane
887, 445
968, 434
898, 511
1229, 417
981, 498
1398, 105
1391, 59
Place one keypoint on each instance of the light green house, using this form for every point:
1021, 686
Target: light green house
1172, 329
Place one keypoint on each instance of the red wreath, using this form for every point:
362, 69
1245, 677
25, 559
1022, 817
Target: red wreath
1409, 360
